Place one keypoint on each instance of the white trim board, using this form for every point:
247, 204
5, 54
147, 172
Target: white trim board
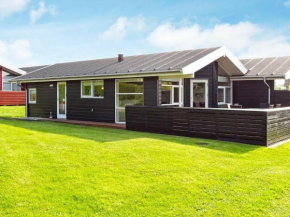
277, 144
255, 79
11, 69
214, 56
90, 77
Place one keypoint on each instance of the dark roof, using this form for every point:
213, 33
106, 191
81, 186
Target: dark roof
32, 68
148, 63
267, 67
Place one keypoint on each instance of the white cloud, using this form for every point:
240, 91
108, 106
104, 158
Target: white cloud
37, 14
123, 25
17, 53
8, 7
287, 3
245, 39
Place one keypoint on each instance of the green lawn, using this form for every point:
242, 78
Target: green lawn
12, 111
51, 169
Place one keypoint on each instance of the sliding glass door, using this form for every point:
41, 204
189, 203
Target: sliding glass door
128, 92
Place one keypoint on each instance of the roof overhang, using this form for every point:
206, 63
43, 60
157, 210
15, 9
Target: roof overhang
225, 59
12, 70
287, 75
248, 78
172, 73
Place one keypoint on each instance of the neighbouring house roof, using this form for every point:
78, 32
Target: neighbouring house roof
32, 68
183, 62
11, 70
273, 67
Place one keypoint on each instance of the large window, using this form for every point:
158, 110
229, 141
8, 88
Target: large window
7, 86
92, 89
128, 92
15, 87
171, 90
281, 84
32, 96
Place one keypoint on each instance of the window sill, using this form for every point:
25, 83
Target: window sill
170, 104
91, 97
221, 103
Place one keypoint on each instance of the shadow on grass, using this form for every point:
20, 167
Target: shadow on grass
102, 135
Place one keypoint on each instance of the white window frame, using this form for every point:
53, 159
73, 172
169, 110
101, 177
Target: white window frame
11, 89
29, 100
61, 116
6, 83
92, 90
224, 90
4, 74
205, 81
180, 89
116, 94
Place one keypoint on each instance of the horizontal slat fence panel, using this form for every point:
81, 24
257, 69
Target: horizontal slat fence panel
12, 98
278, 126
260, 127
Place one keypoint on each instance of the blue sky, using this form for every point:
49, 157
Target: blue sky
50, 31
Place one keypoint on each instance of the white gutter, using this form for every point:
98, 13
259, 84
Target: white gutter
102, 76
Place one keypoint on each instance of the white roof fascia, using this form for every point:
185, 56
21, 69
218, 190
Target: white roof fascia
287, 75
8, 68
90, 77
215, 55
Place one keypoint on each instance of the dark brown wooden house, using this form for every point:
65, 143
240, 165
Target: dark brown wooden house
100, 90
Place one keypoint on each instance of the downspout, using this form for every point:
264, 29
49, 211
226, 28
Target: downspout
269, 91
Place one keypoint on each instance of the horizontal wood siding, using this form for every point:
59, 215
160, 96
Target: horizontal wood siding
91, 109
151, 91
230, 125
46, 100
12, 98
278, 126
281, 97
186, 92
209, 73
251, 93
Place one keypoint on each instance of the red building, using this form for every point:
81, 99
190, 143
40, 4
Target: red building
11, 93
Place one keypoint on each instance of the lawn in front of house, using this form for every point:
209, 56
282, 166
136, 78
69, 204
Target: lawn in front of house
12, 111
49, 169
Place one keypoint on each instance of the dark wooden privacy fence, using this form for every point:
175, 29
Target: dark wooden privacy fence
259, 127
278, 126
